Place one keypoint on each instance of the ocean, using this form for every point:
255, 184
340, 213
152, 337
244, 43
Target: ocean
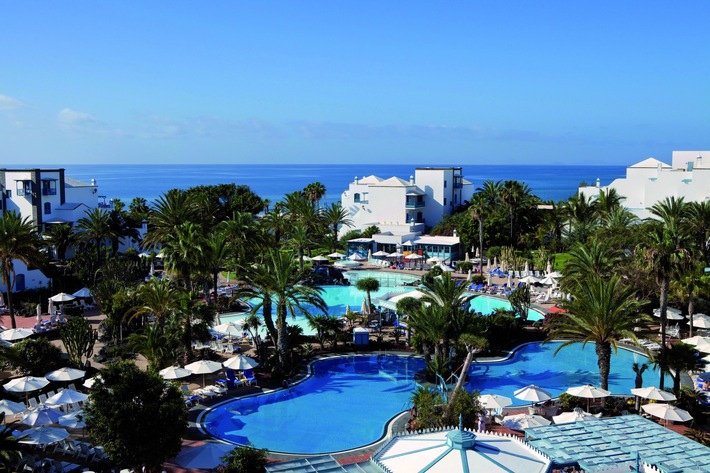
549, 182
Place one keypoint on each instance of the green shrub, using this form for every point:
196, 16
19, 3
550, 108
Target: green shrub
245, 459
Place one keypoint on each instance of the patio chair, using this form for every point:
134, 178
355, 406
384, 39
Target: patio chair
248, 377
32, 403
42, 398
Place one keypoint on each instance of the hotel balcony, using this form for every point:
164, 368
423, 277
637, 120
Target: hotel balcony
413, 204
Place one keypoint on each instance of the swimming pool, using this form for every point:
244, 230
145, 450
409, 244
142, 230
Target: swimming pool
386, 279
348, 400
337, 298
487, 305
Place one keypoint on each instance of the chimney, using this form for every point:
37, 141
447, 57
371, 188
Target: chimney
411, 180
355, 179
599, 183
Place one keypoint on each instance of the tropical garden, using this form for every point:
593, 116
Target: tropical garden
616, 269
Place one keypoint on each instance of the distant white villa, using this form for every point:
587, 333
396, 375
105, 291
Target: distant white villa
46, 197
401, 207
651, 181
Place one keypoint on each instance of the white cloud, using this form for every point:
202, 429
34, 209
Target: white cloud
8, 103
69, 118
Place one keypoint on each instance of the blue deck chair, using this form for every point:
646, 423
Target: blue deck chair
249, 376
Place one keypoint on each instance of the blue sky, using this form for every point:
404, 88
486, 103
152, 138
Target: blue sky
464, 82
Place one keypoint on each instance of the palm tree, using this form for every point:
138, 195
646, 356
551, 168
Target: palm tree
275, 284
677, 359
699, 219
336, 216
184, 252
251, 324
473, 344
216, 254
581, 214
169, 211
665, 246
592, 259
690, 283
602, 312
512, 195
94, 227
300, 241
241, 230
159, 298
368, 286
314, 192
609, 201
18, 241
60, 236
158, 347
478, 210
120, 228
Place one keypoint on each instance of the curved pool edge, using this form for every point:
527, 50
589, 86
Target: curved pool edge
389, 428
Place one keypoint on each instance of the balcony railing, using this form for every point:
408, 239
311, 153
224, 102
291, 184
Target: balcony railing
414, 205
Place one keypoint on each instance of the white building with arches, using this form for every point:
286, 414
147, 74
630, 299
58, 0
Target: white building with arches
45, 197
651, 181
400, 206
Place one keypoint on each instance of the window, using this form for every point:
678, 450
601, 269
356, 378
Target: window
47, 208
49, 187
444, 200
356, 197
24, 188
445, 183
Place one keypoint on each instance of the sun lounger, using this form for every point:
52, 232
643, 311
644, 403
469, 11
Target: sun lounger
248, 377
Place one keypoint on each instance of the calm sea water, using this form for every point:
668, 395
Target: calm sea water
273, 181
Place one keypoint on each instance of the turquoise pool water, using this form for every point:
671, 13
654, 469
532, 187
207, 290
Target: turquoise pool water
337, 298
386, 279
348, 400
487, 305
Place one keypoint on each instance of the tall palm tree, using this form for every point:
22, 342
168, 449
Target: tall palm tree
665, 247
60, 236
216, 255
300, 241
513, 195
275, 283
603, 312
94, 227
120, 228
241, 231
184, 252
315, 192
608, 201
699, 219
157, 297
368, 286
676, 360
158, 347
478, 210
593, 259
291, 298
336, 216
18, 241
690, 283
581, 214
170, 210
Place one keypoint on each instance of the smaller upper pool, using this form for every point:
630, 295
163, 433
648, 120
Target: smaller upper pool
386, 279
487, 305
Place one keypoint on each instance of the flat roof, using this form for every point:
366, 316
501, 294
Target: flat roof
613, 442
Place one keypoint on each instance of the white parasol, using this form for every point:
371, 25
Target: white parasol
41, 415
671, 313
174, 372
589, 392
62, 297
203, 367
701, 321
26, 384
240, 363
73, 420
9, 407
230, 328
495, 401
13, 334
84, 292
524, 421
577, 415
65, 374
39, 313
667, 412
653, 393
43, 435
67, 396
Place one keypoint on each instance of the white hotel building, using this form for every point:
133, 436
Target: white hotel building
651, 181
403, 210
46, 197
